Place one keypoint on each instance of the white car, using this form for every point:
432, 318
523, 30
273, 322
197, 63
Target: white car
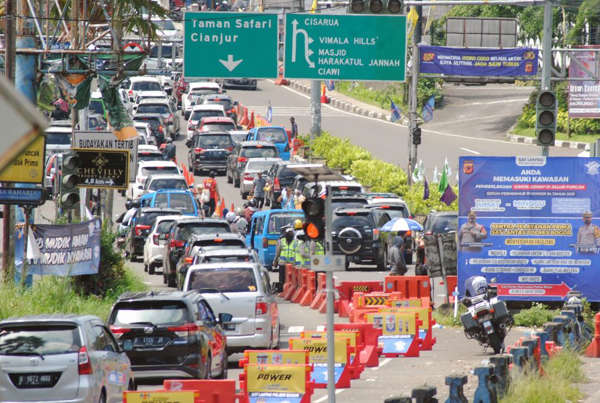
253, 167
202, 111
226, 255
58, 139
166, 29
142, 95
193, 94
148, 152
140, 85
145, 169
154, 246
158, 181
243, 290
144, 129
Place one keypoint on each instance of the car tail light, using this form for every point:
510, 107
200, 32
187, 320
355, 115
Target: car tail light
188, 260
130, 92
375, 234
276, 185
248, 178
261, 307
83, 362
119, 331
176, 244
161, 129
140, 228
155, 239
229, 149
198, 150
265, 243
186, 330
242, 159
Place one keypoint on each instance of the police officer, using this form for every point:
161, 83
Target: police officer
285, 253
302, 250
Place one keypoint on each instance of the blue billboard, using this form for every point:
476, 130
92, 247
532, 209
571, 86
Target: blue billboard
530, 225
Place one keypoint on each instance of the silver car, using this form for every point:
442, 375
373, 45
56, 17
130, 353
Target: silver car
243, 290
253, 167
61, 358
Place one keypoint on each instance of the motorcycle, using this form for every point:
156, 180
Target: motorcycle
487, 319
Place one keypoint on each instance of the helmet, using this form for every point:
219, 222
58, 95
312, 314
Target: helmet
298, 224
252, 203
239, 211
475, 285
212, 174
169, 140
230, 216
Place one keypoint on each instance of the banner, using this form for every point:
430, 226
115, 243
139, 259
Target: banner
478, 62
279, 357
66, 250
276, 383
530, 224
160, 397
584, 96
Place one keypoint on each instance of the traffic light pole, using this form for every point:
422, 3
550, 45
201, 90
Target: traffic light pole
413, 101
547, 56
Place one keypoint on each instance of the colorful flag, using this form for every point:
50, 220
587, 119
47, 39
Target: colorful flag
448, 196
427, 112
314, 6
436, 175
425, 189
396, 112
330, 84
444, 179
418, 172
269, 113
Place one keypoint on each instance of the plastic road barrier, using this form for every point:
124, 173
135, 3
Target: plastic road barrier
210, 390
367, 336
347, 289
159, 396
356, 368
317, 356
400, 332
409, 286
276, 384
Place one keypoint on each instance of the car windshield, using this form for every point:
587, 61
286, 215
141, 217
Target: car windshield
238, 137
397, 212
155, 312
259, 152
187, 230
146, 86
153, 121
96, 106
279, 220
182, 202
443, 223
153, 108
197, 115
42, 339
341, 222
58, 138
272, 134
159, 170
164, 226
217, 127
259, 165
220, 101
347, 203
150, 217
166, 25
149, 156
167, 51
286, 174
223, 279
226, 259
170, 183
213, 140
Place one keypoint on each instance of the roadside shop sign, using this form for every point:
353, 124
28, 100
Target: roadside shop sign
187, 396
108, 141
21, 196
230, 45
477, 62
106, 169
584, 96
66, 250
345, 47
536, 229
27, 167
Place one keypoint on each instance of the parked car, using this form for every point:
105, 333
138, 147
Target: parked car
209, 152
147, 168
244, 290
273, 134
236, 162
140, 224
253, 166
154, 245
170, 334
179, 233
181, 200
61, 358
203, 111
265, 230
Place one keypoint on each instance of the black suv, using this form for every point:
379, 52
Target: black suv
157, 125
179, 233
355, 234
209, 151
279, 176
173, 334
141, 224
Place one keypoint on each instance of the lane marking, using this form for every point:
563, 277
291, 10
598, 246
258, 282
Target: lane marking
450, 122
384, 362
469, 150
501, 101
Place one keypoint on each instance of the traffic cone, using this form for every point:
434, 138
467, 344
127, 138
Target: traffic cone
251, 125
232, 208
324, 98
280, 80
245, 120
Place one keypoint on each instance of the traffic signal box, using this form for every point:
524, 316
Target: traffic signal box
314, 213
375, 6
69, 180
546, 111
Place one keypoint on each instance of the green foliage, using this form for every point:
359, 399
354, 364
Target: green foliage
375, 174
535, 316
444, 315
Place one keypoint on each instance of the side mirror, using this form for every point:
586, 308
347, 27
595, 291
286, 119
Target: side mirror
188, 143
235, 103
225, 317
128, 206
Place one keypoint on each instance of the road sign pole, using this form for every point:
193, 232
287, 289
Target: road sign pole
315, 108
330, 338
412, 148
547, 56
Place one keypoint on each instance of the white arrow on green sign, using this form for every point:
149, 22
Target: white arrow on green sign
345, 47
230, 45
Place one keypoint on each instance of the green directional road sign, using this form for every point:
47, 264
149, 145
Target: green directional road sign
230, 45
345, 47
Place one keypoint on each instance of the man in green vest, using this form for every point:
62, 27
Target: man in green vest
285, 253
302, 250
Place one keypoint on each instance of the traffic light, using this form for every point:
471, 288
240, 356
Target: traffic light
416, 136
375, 6
545, 118
314, 223
69, 180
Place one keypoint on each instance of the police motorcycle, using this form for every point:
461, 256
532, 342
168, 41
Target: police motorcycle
487, 319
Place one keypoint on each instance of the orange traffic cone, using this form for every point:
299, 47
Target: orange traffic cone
324, 98
593, 349
232, 208
251, 125
280, 80
245, 120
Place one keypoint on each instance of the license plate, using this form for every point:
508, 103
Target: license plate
487, 325
34, 380
272, 242
148, 341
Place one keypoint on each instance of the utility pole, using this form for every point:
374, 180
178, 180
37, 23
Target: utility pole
315, 105
413, 102
547, 56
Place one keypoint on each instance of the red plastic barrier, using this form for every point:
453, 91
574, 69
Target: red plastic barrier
409, 286
367, 336
451, 282
593, 349
211, 390
311, 290
293, 284
347, 289
320, 295
302, 285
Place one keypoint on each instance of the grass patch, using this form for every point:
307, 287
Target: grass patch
53, 295
535, 316
583, 138
444, 315
368, 95
555, 386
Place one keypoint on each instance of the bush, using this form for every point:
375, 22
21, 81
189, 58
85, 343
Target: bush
535, 316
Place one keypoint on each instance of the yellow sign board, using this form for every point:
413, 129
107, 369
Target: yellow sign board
317, 349
280, 357
421, 311
393, 323
27, 167
187, 396
276, 378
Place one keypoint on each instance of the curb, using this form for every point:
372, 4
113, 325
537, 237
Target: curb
559, 143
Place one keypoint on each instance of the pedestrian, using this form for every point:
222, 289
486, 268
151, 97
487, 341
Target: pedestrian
294, 129
285, 253
397, 262
210, 193
287, 199
259, 190
170, 151
298, 199
249, 210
